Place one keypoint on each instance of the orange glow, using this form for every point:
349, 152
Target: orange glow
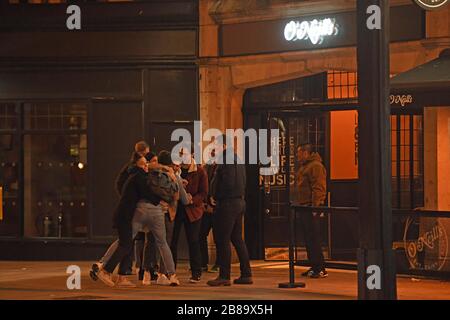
344, 153
341, 85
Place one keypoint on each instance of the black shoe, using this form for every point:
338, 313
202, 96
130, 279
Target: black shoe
141, 274
319, 275
308, 273
94, 270
194, 279
219, 282
154, 275
243, 280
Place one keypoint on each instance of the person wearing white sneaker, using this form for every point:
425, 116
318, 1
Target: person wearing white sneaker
163, 280
105, 277
123, 282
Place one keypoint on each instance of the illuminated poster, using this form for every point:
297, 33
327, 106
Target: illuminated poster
344, 145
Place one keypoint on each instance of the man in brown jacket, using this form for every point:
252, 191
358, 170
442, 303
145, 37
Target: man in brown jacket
312, 187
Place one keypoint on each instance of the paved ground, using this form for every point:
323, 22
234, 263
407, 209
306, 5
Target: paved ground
47, 280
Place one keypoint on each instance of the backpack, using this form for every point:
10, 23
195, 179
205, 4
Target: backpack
162, 185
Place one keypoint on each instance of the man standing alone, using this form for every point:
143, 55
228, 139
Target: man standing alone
228, 191
312, 187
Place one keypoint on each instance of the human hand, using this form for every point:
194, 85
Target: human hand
190, 200
164, 205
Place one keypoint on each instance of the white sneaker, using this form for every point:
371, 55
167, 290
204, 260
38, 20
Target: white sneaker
174, 280
163, 280
123, 282
147, 279
105, 277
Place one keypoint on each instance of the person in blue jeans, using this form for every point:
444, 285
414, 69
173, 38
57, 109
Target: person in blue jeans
139, 209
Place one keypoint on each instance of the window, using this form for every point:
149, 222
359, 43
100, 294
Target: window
9, 171
342, 85
407, 161
55, 170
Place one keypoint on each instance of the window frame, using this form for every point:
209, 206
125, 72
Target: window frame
20, 132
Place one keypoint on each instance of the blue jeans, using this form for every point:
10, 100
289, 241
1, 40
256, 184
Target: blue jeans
148, 217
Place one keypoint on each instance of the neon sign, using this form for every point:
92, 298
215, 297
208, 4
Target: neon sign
315, 30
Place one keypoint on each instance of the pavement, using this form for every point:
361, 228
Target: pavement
44, 280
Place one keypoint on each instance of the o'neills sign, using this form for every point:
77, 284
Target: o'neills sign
314, 31
402, 100
431, 4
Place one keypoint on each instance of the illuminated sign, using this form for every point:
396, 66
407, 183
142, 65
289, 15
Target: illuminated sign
403, 100
431, 4
427, 250
315, 30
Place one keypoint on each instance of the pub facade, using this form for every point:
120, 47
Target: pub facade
72, 103
292, 66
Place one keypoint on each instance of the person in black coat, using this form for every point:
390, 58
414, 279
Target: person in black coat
228, 193
134, 189
141, 148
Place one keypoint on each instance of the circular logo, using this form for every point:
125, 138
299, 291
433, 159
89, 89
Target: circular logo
431, 4
426, 245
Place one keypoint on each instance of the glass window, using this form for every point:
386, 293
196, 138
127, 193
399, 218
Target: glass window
9, 184
407, 161
55, 116
8, 116
55, 170
341, 85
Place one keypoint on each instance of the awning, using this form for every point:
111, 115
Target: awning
433, 75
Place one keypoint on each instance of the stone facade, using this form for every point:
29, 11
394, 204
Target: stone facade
223, 80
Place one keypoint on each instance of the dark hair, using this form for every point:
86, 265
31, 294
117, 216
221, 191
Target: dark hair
165, 158
135, 157
306, 147
149, 156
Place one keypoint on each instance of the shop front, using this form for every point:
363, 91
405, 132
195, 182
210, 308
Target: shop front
72, 105
294, 69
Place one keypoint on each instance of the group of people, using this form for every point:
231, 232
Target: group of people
149, 222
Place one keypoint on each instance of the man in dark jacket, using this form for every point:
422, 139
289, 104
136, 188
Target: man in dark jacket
207, 219
228, 192
312, 188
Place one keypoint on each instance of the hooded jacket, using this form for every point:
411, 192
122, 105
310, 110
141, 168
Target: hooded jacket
312, 181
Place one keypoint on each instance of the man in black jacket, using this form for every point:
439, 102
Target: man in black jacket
228, 191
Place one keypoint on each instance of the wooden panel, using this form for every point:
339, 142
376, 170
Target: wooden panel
136, 15
112, 140
94, 83
173, 94
131, 44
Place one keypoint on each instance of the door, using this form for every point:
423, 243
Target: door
279, 189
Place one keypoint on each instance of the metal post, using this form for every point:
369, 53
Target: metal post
375, 212
291, 283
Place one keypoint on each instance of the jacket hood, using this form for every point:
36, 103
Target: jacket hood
314, 157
